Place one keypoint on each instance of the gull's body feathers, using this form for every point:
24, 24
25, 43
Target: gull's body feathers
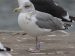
29, 26
34, 25
47, 21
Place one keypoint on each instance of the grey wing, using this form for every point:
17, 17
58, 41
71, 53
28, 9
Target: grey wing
47, 21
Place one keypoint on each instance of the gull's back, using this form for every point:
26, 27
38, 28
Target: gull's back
47, 21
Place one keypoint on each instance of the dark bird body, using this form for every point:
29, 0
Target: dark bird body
49, 6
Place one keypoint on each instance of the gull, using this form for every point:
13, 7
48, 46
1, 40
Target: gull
4, 50
51, 7
36, 23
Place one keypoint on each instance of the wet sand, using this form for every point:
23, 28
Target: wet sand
19, 42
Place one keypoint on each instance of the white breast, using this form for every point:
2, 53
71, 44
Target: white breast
27, 23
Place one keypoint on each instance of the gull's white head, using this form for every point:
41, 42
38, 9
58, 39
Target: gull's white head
20, 2
25, 6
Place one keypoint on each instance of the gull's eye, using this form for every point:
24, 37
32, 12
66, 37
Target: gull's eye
27, 6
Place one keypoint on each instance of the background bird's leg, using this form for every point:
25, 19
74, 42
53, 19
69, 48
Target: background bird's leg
37, 43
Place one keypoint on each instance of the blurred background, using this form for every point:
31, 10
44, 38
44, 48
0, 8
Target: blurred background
8, 19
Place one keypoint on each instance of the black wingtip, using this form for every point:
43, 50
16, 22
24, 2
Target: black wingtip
72, 17
8, 49
1, 50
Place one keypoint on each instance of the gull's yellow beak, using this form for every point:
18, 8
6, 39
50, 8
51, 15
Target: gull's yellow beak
17, 10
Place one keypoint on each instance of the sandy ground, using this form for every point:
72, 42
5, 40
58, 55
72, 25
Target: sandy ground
58, 45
